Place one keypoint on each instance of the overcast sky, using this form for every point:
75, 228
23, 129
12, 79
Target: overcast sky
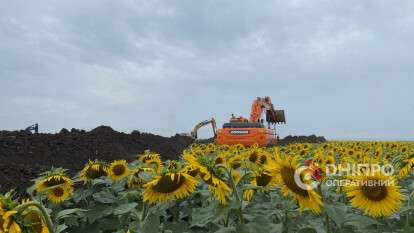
341, 69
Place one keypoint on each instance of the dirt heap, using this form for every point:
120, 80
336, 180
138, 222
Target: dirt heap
24, 155
301, 139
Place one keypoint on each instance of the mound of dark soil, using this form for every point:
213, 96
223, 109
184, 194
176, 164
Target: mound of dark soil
301, 139
24, 155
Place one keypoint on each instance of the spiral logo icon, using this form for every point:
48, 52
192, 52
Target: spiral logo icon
304, 173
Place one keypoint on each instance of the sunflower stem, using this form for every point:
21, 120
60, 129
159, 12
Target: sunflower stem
45, 215
328, 226
236, 193
144, 211
327, 221
226, 223
407, 218
285, 227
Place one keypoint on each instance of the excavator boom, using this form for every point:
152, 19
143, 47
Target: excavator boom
265, 104
212, 121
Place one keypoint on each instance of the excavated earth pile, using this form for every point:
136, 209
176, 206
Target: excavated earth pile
301, 139
24, 155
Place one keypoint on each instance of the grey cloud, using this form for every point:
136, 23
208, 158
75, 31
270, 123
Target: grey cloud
339, 69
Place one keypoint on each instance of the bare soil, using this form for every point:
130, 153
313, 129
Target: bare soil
23, 155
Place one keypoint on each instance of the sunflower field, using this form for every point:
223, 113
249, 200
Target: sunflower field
331, 187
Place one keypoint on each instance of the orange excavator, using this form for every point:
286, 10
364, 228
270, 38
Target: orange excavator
240, 130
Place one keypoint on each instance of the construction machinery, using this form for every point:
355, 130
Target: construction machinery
212, 121
240, 130
33, 128
194, 133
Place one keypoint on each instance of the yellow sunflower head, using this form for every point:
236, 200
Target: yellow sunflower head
138, 179
93, 170
284, 171
152, 160
118, 170
8, 222
235, 162
262, 179
35, 222
210, 148
406, 166
169, 186
216, 185
253, 156
52, 181
404, 149
59, 194
211, 174
375, 194
191, 170
10, 219
220, 159
56, 185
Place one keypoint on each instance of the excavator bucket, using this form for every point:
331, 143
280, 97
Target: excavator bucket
276, 116
280, 116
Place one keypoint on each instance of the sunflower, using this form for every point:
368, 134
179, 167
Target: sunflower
191, 170
152, 160
236, 176
283, 171
262, 179
216, 185
220, 159
59, 194
8, 215
210, 148
93, 170
256, 157
35, 221
404, 149
118, 170
56, 184
53, 180
137, 178
235, 162
169, 186
211, 175
406, 167
375, 194
253, 156
8, 224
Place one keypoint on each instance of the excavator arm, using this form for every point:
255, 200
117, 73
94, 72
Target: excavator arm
34, 128
272, 116
213, 123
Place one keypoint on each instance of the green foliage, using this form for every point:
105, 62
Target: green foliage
105, 206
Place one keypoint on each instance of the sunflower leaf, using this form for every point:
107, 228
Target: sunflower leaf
359, 221
68, 212
98, 212
61, 228
337, 213
307, 230
125, 208
226, 230
151, 224
104, 197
